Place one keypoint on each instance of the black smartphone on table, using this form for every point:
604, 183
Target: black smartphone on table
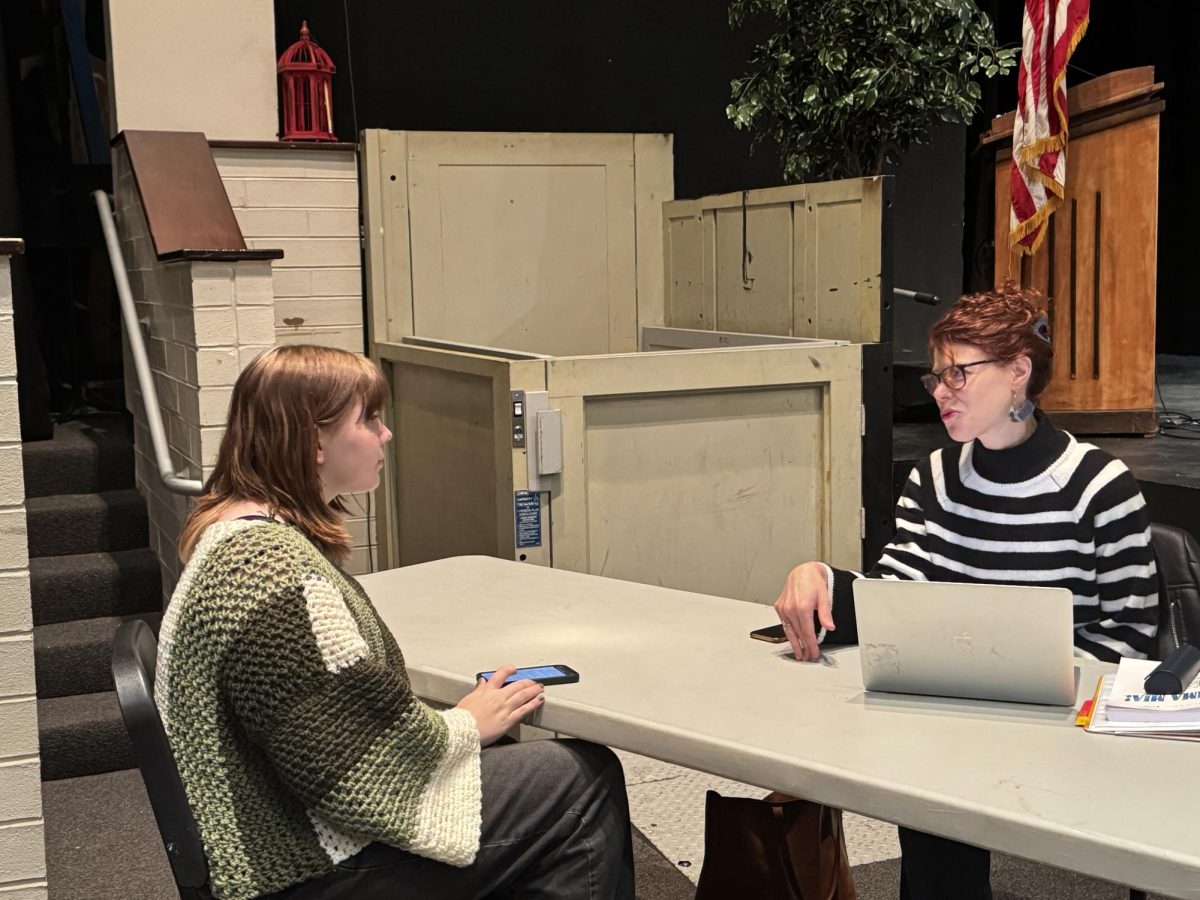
551, 674
772, 634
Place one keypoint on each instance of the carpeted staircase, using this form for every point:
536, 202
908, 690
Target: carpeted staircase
90, 569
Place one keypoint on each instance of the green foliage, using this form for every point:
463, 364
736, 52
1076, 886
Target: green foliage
848, 84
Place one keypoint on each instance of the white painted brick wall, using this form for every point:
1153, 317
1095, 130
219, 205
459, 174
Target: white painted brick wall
10, 415
8, 347
304, 202
22, 844
255, 325
20, 785
15, 613
283, 193
23, 860
16, 666
170, 297
311, 253
19, 733
12, 481
331, 336
209, 319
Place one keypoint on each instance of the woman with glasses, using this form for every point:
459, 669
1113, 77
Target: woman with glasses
1014, 501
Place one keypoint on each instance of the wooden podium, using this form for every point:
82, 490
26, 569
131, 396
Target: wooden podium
1097, 261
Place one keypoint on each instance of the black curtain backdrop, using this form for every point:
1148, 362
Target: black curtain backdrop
477, 65
632, 65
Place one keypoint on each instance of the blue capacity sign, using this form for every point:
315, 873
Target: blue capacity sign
528, 509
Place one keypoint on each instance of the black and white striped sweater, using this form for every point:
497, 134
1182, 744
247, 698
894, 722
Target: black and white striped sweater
1051, 511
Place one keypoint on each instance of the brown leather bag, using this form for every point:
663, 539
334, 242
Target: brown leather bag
777, 848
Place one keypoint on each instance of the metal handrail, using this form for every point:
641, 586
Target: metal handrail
141, 363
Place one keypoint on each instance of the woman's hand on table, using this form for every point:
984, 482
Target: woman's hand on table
804, 592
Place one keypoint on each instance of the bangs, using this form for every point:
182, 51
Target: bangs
370, 387
334, 381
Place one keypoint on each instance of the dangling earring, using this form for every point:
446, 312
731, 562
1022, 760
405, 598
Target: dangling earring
1019, 413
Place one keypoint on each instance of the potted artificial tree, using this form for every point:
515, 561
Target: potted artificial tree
847, 85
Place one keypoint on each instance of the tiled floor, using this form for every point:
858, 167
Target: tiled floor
666, 803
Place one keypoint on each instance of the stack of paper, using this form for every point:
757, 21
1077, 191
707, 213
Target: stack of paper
1121, 706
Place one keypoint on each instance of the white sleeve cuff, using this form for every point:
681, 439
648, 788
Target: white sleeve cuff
821, 632
449, 819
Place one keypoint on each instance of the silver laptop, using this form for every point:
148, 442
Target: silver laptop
984, 641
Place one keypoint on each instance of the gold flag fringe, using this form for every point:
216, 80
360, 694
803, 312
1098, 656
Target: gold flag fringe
1027, 156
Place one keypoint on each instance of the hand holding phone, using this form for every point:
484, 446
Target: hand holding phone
499, 703
551, 674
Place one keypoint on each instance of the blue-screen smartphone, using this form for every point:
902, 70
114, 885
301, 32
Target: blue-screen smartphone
555, 674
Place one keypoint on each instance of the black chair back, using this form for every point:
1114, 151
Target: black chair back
135, 654
1178, 558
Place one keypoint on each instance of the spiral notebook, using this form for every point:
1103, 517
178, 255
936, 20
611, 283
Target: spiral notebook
1098, 720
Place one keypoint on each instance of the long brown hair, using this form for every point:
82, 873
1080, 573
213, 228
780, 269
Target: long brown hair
1005, 323
269, 452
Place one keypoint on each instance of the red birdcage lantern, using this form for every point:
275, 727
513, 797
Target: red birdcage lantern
305, 80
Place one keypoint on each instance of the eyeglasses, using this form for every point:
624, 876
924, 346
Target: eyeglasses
953, 377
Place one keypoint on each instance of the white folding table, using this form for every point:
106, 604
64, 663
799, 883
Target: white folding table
675, 676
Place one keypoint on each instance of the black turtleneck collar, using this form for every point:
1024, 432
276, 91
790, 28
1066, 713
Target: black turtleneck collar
1026, 460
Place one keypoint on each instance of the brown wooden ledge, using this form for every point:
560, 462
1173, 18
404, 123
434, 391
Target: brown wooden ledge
12, 246
1103, 102
283, 145
186, 206
220, 255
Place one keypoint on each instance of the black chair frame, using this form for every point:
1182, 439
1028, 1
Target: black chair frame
135, 654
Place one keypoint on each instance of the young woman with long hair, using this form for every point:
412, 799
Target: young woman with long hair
311, 768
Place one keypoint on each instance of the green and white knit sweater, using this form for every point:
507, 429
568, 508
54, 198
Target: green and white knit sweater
289, 711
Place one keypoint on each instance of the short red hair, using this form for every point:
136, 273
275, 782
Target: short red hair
1005, 323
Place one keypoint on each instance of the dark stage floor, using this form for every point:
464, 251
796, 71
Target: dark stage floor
1167, 465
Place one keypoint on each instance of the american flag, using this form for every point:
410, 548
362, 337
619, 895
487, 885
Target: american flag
1050, 32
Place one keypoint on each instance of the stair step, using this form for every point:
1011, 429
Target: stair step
66, 524
91, 454
82, 735
87, 585
101, 839
76, 657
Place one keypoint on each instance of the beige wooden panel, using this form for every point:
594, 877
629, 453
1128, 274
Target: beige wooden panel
757, 297
446, 478
835, 260
838, 260
698, 339
654, 184
385, 218
452, 466
524, 241
685, 272
711, 470
388, 278
706, 491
